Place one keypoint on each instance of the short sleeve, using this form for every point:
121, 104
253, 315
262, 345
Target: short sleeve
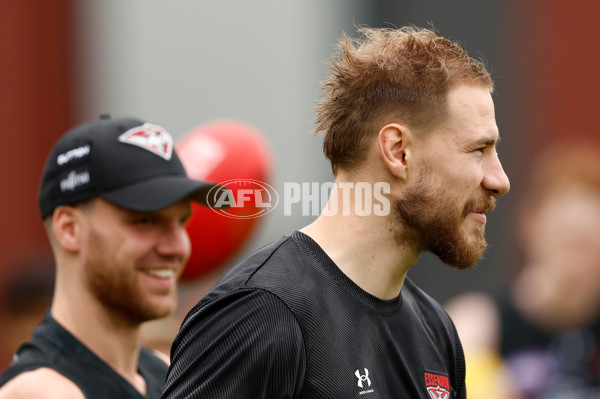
246, 344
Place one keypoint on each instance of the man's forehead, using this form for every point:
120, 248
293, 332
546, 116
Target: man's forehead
472, 100
471, 116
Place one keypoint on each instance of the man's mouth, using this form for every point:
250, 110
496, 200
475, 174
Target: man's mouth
480, 216
481, 207
160, 273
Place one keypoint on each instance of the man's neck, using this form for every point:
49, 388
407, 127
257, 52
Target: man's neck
365, 248
111, 338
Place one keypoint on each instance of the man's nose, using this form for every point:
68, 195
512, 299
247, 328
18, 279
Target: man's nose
496, 181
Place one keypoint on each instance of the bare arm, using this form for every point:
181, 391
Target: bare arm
43, 383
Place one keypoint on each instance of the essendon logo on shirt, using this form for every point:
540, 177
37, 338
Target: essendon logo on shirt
438, 385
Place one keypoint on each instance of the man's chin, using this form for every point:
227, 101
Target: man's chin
462, 256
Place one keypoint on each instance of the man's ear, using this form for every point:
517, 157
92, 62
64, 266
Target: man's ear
66, 228
393, 142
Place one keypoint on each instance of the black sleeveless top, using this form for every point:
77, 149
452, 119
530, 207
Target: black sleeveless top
54, 347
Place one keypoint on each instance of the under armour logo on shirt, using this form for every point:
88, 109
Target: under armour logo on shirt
362, 378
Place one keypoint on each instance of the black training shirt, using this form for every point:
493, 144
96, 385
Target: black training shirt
287, 323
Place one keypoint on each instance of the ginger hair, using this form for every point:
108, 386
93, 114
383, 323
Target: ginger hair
389, 75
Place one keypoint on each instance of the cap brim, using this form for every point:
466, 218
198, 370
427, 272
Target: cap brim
161, 192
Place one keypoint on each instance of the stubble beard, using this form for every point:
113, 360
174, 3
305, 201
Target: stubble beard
116, 288
431, 221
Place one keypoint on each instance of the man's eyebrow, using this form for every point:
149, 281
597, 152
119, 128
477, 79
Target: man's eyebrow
487, 141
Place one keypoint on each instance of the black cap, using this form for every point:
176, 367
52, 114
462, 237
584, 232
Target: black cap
128, 162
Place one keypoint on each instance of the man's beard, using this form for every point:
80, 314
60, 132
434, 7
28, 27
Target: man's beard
117, 287
432, 221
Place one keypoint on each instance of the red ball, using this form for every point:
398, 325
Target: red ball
218, 152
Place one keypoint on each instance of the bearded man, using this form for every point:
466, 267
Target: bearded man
327, 312
114, 199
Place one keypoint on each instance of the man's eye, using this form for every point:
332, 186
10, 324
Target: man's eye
143, 221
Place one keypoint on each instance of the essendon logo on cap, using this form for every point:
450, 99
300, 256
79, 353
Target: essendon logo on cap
150, 137
438, 385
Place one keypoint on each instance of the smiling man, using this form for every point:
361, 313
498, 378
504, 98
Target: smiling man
115, 199
328, 312
444, 210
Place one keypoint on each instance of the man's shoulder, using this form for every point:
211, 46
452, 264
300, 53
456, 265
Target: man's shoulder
417, 295
268, 274
268, 254
43, 383
421, 302
242, 275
